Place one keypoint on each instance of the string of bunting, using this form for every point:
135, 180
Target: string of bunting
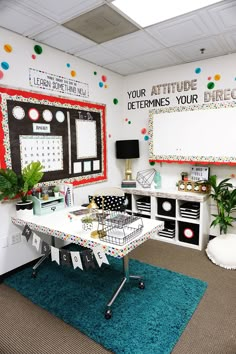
79, 259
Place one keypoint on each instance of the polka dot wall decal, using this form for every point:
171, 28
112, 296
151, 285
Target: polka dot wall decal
152, 163
126, 119
211, 85
217, 77
1, 74
100, 84
109, 135
105, 86
33, 56
8, 48
38, 49
4, 65
104, 78
129, 122
115, 101
198, 70
73, 73
68, 65
94, 73
146, 137
209, 78
143, 131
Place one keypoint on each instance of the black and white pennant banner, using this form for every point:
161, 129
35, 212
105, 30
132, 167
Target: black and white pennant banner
86, 259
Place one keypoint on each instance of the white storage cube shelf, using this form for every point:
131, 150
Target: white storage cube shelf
186, 215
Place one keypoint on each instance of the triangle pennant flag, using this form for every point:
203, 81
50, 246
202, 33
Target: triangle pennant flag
45, 249
55, 255
100, 255
36, 241
88, 259
27, 232
76, 260
65, 257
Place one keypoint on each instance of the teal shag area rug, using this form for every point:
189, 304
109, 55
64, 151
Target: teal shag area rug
143, 321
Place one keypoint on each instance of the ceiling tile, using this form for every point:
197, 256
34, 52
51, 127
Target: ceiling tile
230, 38
191, 52
124, 67
61, 11
224, 15
133, 44
180, 30
64, 39
157, 59
21, 20
98, 55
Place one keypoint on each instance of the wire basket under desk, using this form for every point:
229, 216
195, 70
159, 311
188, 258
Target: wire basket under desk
119, 228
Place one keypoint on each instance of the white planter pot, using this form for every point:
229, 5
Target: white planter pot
24, 209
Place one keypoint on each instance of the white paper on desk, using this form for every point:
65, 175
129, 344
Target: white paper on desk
55, 255
76, 260
36, 241
100, 255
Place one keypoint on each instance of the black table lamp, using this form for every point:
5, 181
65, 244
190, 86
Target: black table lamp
127, 149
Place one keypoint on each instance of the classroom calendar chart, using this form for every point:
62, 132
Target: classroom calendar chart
47, 150
67, 136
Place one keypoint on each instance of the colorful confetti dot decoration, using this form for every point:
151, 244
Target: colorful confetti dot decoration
152, 163
129, 122
73, 73
143, 131
1, 74
94, 73
146, 137
68, 65
38, 49
115, 101
109, 135
100, 84
209, 78
126, 119
217, 77
105, 86
104, 78
198, 70
33, 56
210, 85
4, 65
8, 48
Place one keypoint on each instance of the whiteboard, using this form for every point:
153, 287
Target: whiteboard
200, 133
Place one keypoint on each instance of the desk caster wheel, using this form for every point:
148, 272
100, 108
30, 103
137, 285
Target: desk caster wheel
141, 285
34, 274
108, 314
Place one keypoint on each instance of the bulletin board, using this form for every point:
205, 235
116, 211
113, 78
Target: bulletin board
67, 136
202, 134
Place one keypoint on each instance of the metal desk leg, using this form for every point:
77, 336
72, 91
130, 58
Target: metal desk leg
42, 259
125, 279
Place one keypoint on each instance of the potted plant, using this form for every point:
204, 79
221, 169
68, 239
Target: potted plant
13, 185
56, 191
224, 195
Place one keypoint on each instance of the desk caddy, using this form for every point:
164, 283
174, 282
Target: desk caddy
42, 207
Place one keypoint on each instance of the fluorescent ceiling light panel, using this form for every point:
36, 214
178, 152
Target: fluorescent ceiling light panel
148, 12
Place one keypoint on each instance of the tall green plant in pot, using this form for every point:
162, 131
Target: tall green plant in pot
13, 185
224, 195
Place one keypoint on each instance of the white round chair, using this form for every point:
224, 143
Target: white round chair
222, 251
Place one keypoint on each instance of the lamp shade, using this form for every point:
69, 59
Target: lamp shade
127, 149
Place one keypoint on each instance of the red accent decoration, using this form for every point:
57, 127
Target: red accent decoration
26, 94
197, 162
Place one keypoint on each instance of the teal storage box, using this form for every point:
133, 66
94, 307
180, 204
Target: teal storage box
42, 207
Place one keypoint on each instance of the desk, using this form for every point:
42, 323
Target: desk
59, 225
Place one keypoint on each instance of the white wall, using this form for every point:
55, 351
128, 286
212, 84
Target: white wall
55, 62
122, 123
223, 66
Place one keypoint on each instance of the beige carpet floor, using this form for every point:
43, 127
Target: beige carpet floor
27, 329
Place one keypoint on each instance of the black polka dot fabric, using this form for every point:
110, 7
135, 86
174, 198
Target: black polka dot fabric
110, 202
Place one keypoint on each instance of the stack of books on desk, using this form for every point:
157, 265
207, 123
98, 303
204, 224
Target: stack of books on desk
128, 184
